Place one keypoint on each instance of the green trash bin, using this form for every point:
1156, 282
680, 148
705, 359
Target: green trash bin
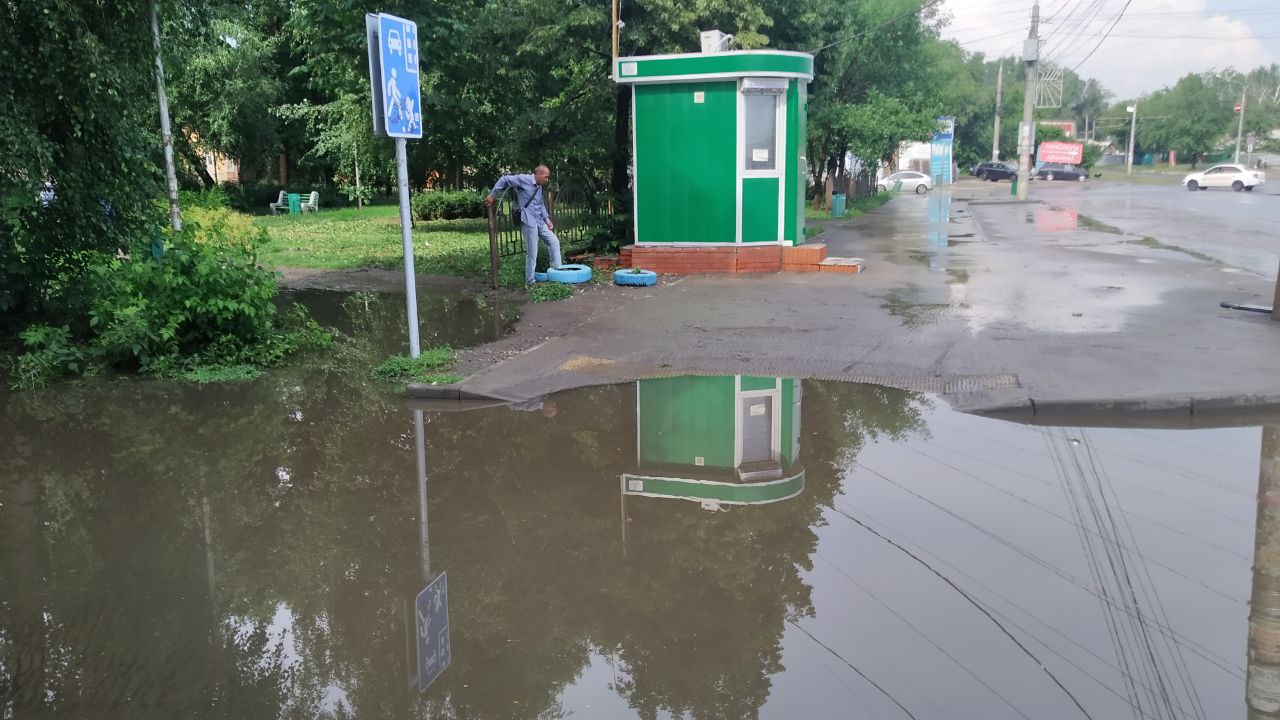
1013, 187
837, 205
295, 204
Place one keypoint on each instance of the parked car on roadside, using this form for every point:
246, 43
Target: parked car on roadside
994, 171
1059, 171
1236, 177
910, 179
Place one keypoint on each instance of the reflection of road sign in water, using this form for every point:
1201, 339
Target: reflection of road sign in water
431, 613
401, 92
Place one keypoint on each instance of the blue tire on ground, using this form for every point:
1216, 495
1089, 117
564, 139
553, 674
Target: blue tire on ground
539, 277
571, 274
637, 278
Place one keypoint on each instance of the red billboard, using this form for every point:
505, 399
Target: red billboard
1061, 152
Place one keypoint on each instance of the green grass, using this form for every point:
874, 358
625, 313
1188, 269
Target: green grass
853, 209
350, 238
550, 292
431, 366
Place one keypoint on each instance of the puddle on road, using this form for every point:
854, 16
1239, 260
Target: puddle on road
682, 547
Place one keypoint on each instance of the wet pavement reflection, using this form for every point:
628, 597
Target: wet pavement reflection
697, 547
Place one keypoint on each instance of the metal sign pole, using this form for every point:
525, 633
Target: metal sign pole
406, 237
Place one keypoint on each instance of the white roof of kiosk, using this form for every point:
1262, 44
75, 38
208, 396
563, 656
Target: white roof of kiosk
691, 67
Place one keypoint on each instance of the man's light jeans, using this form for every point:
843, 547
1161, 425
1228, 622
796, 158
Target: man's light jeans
532, 234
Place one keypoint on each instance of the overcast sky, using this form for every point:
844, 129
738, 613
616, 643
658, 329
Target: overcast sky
1153, 44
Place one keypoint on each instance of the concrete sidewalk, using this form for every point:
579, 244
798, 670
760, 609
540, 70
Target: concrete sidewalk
1014, 311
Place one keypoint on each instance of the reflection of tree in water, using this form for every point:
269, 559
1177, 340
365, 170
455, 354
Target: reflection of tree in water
308, 474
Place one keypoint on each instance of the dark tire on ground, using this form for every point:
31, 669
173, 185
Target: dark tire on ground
981, 175
1249, 188
1080, 179
922, 189
1237, 186
1048, 176
1192, 185
879, 188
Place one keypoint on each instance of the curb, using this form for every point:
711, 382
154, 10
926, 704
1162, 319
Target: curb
1178, 412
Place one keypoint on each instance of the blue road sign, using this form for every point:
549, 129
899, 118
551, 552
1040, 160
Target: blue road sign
431, 613
398, 93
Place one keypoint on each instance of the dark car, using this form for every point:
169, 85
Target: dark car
994, 171
1058, 171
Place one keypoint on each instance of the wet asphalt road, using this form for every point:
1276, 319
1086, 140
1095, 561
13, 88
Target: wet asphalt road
1236, 229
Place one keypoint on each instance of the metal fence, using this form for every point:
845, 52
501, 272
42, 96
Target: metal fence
574, 207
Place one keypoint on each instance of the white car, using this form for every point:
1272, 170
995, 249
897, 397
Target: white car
1235, 177
910, 179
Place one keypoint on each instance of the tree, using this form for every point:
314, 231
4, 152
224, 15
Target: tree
1189, 118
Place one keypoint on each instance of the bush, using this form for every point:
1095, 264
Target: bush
448, 205
209, 198
203, 309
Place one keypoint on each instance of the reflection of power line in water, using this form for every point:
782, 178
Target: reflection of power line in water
1068, 521
852, 667
923, 551
1129, 483
973, 602
924, 636
1125, 581
1221, 662
1130, 513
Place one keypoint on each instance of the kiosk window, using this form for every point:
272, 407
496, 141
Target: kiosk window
761, 131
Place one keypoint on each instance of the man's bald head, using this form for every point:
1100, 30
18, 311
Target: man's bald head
541, 174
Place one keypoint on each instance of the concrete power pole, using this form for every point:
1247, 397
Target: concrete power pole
1244, 92
995, 135
1133, 130
1262, 687
166, 136
1027, 131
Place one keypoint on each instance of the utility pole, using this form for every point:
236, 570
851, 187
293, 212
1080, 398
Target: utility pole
995, 135
613, 32
1027, 131
1133, 128
166, 136
1244, 92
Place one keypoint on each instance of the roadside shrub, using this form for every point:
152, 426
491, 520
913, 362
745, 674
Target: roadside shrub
447, 205
209, 198
204, 310
251, 197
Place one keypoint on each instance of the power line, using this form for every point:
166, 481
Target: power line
872, 29
1104, 36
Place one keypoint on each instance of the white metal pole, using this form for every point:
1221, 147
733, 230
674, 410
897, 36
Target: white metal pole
406, 236
423, 540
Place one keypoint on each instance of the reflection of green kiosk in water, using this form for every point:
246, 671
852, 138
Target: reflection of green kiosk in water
718, 440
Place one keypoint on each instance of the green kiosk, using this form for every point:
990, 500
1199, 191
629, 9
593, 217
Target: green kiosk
718, 143
731, 440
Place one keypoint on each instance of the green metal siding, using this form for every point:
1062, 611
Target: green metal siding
788, 397
735, 63
759, 210
793, 222
685, 155
751, 382
732, 493
687, 417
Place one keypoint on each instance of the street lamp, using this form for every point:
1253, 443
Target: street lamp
1244, 91
1133, 126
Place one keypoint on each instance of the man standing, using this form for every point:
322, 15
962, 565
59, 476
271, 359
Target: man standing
535, 222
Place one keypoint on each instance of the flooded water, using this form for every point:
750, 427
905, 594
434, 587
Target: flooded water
733, 547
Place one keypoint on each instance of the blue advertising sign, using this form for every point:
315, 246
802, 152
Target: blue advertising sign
431, 613
397, 92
